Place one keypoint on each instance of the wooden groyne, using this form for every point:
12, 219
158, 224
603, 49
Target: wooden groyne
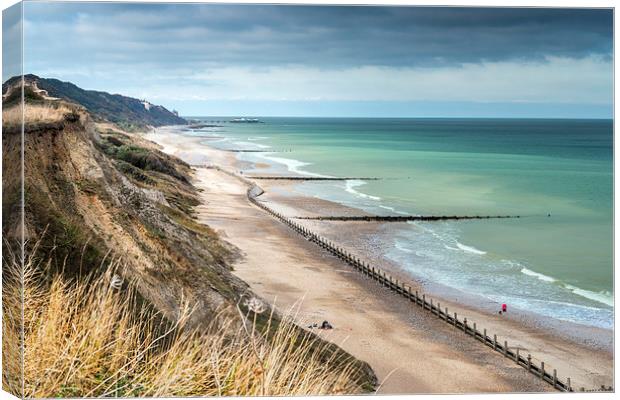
400, 218
421, 300
603, 388
425, 302
200, 126
306, 178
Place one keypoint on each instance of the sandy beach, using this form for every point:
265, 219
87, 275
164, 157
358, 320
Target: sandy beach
410, 350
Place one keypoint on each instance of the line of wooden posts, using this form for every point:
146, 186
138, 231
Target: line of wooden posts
421, 300
406, 291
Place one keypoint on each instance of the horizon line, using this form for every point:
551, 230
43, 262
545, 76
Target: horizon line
417, 117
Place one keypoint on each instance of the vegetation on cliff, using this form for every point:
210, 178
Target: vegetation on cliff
101, 202
92, 338
128, 113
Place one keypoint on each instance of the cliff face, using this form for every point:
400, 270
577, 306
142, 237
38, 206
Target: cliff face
96, 195
126, 112
93, 192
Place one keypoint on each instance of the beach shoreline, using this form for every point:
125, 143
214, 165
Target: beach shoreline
592, 337
542, 340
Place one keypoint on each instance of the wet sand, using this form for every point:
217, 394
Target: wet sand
411, 351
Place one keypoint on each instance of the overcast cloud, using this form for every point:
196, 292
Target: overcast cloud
189, 56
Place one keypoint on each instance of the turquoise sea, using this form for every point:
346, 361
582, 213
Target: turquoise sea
556, 260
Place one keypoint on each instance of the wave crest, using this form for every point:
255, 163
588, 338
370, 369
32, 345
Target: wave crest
353, 183
470, 249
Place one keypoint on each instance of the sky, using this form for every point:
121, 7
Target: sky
265, 60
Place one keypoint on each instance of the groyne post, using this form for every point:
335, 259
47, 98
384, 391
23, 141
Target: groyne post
406, 291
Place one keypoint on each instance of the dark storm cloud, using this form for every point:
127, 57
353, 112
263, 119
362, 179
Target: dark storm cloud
330, 37
192, 56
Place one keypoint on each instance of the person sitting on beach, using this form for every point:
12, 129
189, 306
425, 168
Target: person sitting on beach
326, 325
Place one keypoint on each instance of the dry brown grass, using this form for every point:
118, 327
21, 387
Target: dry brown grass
11, 324
88, 339
34, 113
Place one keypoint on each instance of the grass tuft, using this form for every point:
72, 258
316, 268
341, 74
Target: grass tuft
35, 113
90, 337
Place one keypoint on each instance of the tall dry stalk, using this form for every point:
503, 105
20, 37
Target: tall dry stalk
12, 295
87, 338
34, 113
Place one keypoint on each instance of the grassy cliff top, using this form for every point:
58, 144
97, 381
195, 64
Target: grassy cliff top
127, 112
101, 201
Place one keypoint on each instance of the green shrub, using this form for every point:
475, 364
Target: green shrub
144, 159
133, 172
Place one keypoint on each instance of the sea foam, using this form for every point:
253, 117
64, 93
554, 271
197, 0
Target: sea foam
603, 297
353, 183
293, 165
469, 249
392, 209
252, 145
540, 276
